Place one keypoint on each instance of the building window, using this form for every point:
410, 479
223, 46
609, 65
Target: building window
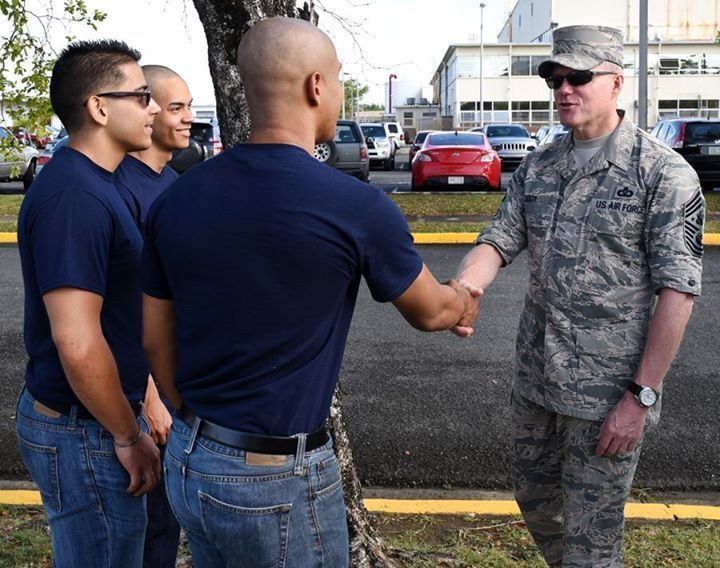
429, 114
407, 114
520, 65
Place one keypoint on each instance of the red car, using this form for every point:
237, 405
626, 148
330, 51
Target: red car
456, 160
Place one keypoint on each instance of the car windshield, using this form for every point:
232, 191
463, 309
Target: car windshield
457, 139
420, 138
702, 132
373, 131
201, 131
393, 128
508, 130
345, 134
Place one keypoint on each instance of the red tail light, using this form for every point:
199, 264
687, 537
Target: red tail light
680, 142
363, 153
402, 137
217, 146
42, 160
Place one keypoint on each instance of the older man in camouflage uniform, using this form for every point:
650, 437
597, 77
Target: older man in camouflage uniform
612, 220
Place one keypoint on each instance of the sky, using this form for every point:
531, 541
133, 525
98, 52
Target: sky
374, 38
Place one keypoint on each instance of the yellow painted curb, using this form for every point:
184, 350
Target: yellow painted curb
709, 239
20, 497
652, 511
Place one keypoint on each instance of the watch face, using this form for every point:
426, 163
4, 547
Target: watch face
648, 397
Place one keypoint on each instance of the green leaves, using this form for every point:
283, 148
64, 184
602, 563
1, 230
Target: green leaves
27, 55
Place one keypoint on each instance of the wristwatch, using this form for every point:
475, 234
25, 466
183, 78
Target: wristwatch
646, 396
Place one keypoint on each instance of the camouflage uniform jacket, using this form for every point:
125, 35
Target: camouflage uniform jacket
602, 241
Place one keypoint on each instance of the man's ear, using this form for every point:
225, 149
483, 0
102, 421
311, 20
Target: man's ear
313, 88
618, 82
96, 110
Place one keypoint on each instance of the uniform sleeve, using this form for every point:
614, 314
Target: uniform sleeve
674, 228
390, 262
508, 230
70, 236
153, 279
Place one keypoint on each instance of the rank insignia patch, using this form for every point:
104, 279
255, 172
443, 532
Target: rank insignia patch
694, 220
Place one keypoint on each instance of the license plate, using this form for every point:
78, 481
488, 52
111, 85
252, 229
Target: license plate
456, 180
713, 150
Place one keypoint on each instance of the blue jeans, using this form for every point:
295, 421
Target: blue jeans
253, 510
94, 521
162, 536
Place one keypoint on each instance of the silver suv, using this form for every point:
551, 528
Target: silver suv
379, 142
17, 160
512, 142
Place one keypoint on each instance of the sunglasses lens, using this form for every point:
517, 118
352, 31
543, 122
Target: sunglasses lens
577, 78
574, 78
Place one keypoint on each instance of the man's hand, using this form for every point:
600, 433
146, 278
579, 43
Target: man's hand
463, 328
156, 414
623, 428
142, 462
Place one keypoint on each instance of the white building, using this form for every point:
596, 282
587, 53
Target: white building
684, 71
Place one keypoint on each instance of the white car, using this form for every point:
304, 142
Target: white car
397, 135
379, 142
19, 161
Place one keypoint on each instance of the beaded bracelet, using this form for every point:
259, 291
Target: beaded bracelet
129, 444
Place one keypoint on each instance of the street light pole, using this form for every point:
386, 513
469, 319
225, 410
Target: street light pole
390, 78
482, 55
553, 25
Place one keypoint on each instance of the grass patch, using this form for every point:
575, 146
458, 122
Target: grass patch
10, 205
504, 543
426, 541
432, 204
417, 207
24, 537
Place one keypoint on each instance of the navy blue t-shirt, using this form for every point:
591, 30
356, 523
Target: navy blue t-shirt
74, 230
139, 185
261, 250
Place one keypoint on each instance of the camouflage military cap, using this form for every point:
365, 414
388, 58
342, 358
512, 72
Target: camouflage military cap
583, 47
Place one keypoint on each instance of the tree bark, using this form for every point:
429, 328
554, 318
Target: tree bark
225, 22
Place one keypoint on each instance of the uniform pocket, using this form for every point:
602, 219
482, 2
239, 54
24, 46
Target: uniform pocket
42, 463
246, 536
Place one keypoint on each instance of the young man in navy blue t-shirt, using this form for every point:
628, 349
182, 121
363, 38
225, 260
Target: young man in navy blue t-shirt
141, 177
77, 418
251, 270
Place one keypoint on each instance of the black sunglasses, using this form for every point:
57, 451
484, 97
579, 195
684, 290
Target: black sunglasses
144, 96
574, 78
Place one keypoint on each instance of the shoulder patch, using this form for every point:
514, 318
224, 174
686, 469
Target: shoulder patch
694, 213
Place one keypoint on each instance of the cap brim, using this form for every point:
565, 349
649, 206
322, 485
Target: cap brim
571, 61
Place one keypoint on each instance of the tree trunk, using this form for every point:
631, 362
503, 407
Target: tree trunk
225, 22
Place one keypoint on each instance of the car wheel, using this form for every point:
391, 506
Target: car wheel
326, 153
29, 176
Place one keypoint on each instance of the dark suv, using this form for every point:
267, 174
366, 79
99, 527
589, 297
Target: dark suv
698, 141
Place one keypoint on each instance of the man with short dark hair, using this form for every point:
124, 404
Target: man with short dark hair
612, 221
77, 417
251, 270
141, 177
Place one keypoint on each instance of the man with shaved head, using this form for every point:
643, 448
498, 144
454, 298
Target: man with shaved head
140, 178
252, 266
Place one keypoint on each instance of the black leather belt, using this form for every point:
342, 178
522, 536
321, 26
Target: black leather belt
82, 412
256, 443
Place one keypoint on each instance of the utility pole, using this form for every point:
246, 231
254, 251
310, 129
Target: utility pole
642, 71
482, 55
